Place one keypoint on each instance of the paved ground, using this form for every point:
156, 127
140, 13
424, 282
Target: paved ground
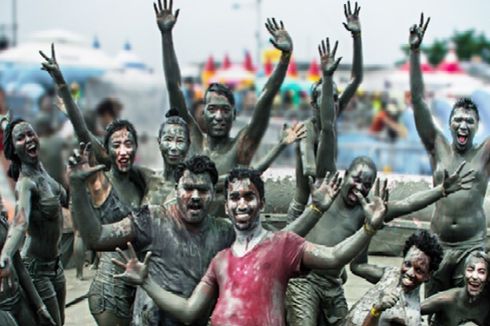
79, 314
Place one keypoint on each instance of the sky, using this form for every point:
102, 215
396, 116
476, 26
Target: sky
217, 27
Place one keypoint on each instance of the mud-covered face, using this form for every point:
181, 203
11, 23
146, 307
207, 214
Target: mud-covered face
26, 142
415, 269
218, 115
475, 275
194, 195
122, 150
463, 124
361, 178
243, 204
173, 143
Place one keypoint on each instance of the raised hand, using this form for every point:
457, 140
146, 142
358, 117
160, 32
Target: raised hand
280, 37
375, 209
51, 66
327, 59
417, 33
165, 19
324, 192
292, 134
135, 272
79, 169
456, 181
353, 24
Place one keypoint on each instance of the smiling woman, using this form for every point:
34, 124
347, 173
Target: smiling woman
38, 215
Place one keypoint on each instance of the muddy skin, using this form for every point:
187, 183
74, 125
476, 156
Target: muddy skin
455, 306
183, 230
346, 215
174, 144
401, 283
252, 275
38, 213
460, 221
16, 300
310, 143
219, 111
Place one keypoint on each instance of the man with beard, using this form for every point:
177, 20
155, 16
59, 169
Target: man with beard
455, 306
249, 279
319, 297
219, 111
395, 299
459, 221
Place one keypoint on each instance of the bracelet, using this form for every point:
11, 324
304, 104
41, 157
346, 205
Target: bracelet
374, 312
369, 229
316, 209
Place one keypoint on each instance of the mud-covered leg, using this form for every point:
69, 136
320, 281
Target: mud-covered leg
302, 303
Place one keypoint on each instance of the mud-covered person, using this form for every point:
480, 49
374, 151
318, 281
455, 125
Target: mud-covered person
219, 111
455, 306
459, 221
38, 219
395, 299
183, 237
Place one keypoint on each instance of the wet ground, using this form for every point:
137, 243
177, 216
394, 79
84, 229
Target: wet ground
79, 313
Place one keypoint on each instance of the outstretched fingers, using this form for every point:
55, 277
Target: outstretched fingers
132, 252
118, 263
147, 258
460, 167
122, 254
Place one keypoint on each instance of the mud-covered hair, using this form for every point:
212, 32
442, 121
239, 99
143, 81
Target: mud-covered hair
197, 164
9, 150
479, 254
244, 173
465, 103
221, 90
363, 160
428, 243
116, 125
173, 118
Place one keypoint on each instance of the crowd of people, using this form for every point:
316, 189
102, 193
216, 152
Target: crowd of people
186, 244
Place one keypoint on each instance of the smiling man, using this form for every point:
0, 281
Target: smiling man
460, 221
394, 300
468, 303
249, 279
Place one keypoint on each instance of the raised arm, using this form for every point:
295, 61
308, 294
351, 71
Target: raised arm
326, 154
166, 21
321, 257
353, 25
72, 109
96, 236
18, 229
185, 310
370, 272
255, 130
423, 118
288, 136
450, 184
322, 196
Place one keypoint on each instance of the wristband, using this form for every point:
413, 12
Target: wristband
369, 229
316, 209
374, 312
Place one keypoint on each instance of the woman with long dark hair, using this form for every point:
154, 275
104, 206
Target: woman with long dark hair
38, 215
